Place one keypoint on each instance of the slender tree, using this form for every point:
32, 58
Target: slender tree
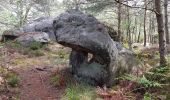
128, 28
166, 20
153, 28
119, 21
159, 17
144, 24
136, 29
150, 28
139, 33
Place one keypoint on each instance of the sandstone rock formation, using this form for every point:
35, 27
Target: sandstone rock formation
40, 25
27, 38
43, 24
85, 34
10, 34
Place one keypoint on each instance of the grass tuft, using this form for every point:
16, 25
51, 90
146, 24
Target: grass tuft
13, 79
79, 92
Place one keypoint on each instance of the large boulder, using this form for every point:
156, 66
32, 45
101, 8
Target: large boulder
85, 34
44, 24
28, 38
113, 33
10, 34
126, 59
40, 30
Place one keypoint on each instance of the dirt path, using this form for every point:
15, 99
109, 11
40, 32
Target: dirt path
35, 85
35, 74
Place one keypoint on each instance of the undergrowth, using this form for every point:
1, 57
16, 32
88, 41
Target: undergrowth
73, 89
79, 92
58, 57
13, 79
34, 49
151, 83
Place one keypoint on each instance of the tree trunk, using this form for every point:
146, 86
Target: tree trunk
166, 20
128, 29
130, 38
136, 29
159, 17
119, 21
139, 34
144, 25
20, 12
153, 28
150, 28
133, 35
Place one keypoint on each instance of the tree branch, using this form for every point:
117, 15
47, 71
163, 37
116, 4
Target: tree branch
7, 24
153, 10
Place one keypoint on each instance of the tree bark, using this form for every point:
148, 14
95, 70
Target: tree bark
166, 20
144, 25
159, 17
119, 21
136, 29
153, 28
129, 37
128, 29
150, 28
139, 34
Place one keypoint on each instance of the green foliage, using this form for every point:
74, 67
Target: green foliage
148, 83
59, 57
143, 81
168, 59
97, 7
126, 45
35, 45
37, 53
147, 96
13, 79
79, 92
161, 73
55, 80
34, 49
8, 17
62, 54
13, 44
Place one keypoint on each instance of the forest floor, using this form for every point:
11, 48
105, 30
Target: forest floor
35, 74
35, 84
41, 76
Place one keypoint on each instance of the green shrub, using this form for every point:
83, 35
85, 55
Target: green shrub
62, 54
143, 81
13, 80
161, 74
14, 44
35, 45
37, 53
33, 50
55, 80
79, 92
147, 96
72, 94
